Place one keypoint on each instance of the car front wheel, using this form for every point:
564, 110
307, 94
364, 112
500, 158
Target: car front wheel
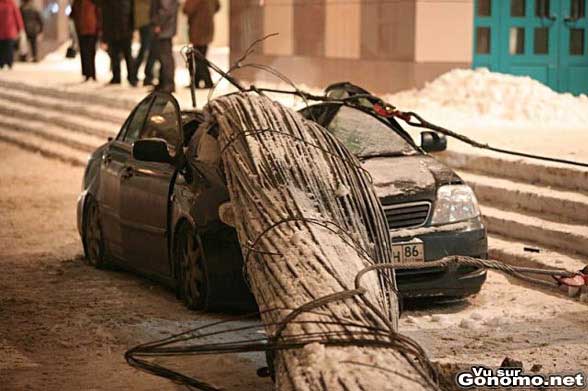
191, 276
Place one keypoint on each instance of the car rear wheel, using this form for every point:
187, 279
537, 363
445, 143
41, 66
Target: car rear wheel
93, 238
192, 281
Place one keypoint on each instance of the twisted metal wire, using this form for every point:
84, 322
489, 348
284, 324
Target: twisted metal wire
370, 336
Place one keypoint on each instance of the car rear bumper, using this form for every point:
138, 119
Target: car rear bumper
467, 238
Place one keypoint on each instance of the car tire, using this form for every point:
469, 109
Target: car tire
191, 276
93, 239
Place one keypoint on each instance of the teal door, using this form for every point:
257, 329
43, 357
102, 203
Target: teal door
573, 54
544, 39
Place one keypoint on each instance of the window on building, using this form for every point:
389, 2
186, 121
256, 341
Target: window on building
484, 8
541, 40
483, 40
517, 8
576, 42
517, 40
578, 9
542, 8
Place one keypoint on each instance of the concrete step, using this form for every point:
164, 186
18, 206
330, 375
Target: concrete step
513, 253
90, 111
50, 149
51, 117
570, 238
72, 139
534, 172
546, 202
106, 100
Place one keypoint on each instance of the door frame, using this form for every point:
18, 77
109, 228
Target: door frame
558, 62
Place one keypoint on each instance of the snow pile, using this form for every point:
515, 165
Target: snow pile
463, 93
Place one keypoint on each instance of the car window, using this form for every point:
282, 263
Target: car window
135, 124
366, 136
321, 113
162, 122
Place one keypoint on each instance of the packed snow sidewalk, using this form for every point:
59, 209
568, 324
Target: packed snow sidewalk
64, 75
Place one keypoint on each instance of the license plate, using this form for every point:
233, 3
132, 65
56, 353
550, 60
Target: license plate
413, 251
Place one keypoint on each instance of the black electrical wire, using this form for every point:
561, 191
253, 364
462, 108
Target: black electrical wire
407, 117
363, 336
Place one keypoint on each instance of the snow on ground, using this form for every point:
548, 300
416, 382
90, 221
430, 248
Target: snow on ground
506, 111
495, 98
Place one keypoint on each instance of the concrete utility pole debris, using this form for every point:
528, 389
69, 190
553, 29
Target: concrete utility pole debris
309, 221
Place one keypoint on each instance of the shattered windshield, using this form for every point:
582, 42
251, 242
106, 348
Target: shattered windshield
366, 136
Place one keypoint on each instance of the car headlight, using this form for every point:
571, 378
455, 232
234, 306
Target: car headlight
455, 203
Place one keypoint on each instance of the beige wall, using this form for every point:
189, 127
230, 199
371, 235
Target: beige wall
444, 30
388, 29
343, 29
278, 18
221, 23
384, 45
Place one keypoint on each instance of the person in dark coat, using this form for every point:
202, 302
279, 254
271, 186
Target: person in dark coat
164, 19
10, 26
33, 24
86, 18
201, 29
117, 33
143, 24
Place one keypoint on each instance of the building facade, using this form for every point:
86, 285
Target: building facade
391, 45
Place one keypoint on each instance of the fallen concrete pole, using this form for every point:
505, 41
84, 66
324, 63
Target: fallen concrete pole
308, 222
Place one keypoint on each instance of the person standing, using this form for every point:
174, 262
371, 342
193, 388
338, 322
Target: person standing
10, 26
142, 9
33, 25
86, 18
201, 29
117, 33
164, 19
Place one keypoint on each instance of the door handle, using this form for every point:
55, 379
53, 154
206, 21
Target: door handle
127, 172
571, 19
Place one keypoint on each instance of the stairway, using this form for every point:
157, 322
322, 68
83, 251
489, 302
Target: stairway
63, 125
536, 212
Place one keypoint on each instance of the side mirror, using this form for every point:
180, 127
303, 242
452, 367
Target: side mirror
151, 150
433, 141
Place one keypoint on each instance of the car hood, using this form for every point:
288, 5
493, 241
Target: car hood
409, 178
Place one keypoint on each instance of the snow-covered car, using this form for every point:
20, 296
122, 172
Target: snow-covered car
151, 198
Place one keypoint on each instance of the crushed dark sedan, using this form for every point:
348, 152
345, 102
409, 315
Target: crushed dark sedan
151, 198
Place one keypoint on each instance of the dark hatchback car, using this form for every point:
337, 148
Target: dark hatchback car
151, 198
